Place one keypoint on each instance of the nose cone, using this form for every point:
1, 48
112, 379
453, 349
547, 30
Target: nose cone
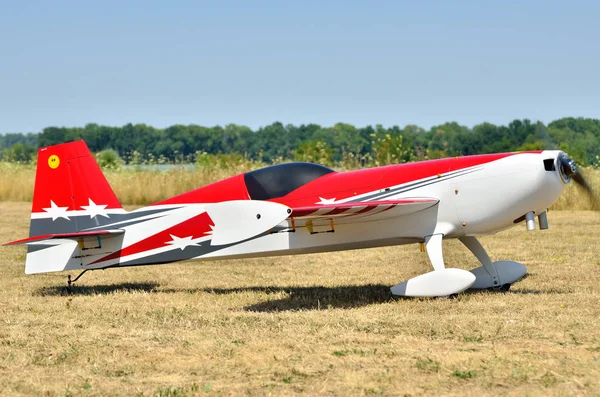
239, 220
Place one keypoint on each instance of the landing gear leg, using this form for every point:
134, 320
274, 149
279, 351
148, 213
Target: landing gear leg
441, 281
492, 275
69, 281
433, 245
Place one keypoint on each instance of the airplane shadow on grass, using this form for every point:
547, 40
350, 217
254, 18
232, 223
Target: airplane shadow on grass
346, 297
314, 298
295, 299
77, 289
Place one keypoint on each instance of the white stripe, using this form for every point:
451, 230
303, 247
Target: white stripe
45, 215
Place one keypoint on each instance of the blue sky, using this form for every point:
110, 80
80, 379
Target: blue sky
67, 63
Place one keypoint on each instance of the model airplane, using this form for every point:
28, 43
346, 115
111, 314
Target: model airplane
295, 208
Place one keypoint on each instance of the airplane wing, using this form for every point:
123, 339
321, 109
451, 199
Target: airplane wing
348, 211
74, 235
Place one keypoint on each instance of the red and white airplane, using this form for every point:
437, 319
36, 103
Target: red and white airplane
295, 208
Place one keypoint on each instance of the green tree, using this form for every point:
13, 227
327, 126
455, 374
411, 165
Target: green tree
314, 152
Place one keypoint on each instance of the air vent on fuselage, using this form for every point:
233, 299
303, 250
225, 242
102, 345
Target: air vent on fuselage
549, 165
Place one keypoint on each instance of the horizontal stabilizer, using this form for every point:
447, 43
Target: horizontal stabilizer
239, 220
74, 235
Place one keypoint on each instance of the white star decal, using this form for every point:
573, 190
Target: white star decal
94, 209
326, 201
181, 242
56, 211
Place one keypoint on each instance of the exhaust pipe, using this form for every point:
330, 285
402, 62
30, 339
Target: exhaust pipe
530, 219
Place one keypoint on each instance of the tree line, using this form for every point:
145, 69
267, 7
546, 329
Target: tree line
580, 137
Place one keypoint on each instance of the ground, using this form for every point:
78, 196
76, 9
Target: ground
322, 324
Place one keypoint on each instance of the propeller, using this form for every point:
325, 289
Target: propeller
569, 171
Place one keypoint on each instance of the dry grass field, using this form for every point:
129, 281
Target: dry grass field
322, 324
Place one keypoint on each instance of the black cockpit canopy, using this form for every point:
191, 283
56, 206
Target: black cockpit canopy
278, 180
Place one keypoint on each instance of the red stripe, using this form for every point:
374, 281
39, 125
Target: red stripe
306, 210
302, 212
366, 209
196, 227
339, 210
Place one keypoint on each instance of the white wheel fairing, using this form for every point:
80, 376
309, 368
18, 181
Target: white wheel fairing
436, 283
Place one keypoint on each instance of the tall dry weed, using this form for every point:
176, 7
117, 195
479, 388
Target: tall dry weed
16, 181
141, 187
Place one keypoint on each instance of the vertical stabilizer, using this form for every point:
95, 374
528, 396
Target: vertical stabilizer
71, 194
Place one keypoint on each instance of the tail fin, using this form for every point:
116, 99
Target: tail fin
72, 201
71, 194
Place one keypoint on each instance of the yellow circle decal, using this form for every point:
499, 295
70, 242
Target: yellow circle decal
53, 161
